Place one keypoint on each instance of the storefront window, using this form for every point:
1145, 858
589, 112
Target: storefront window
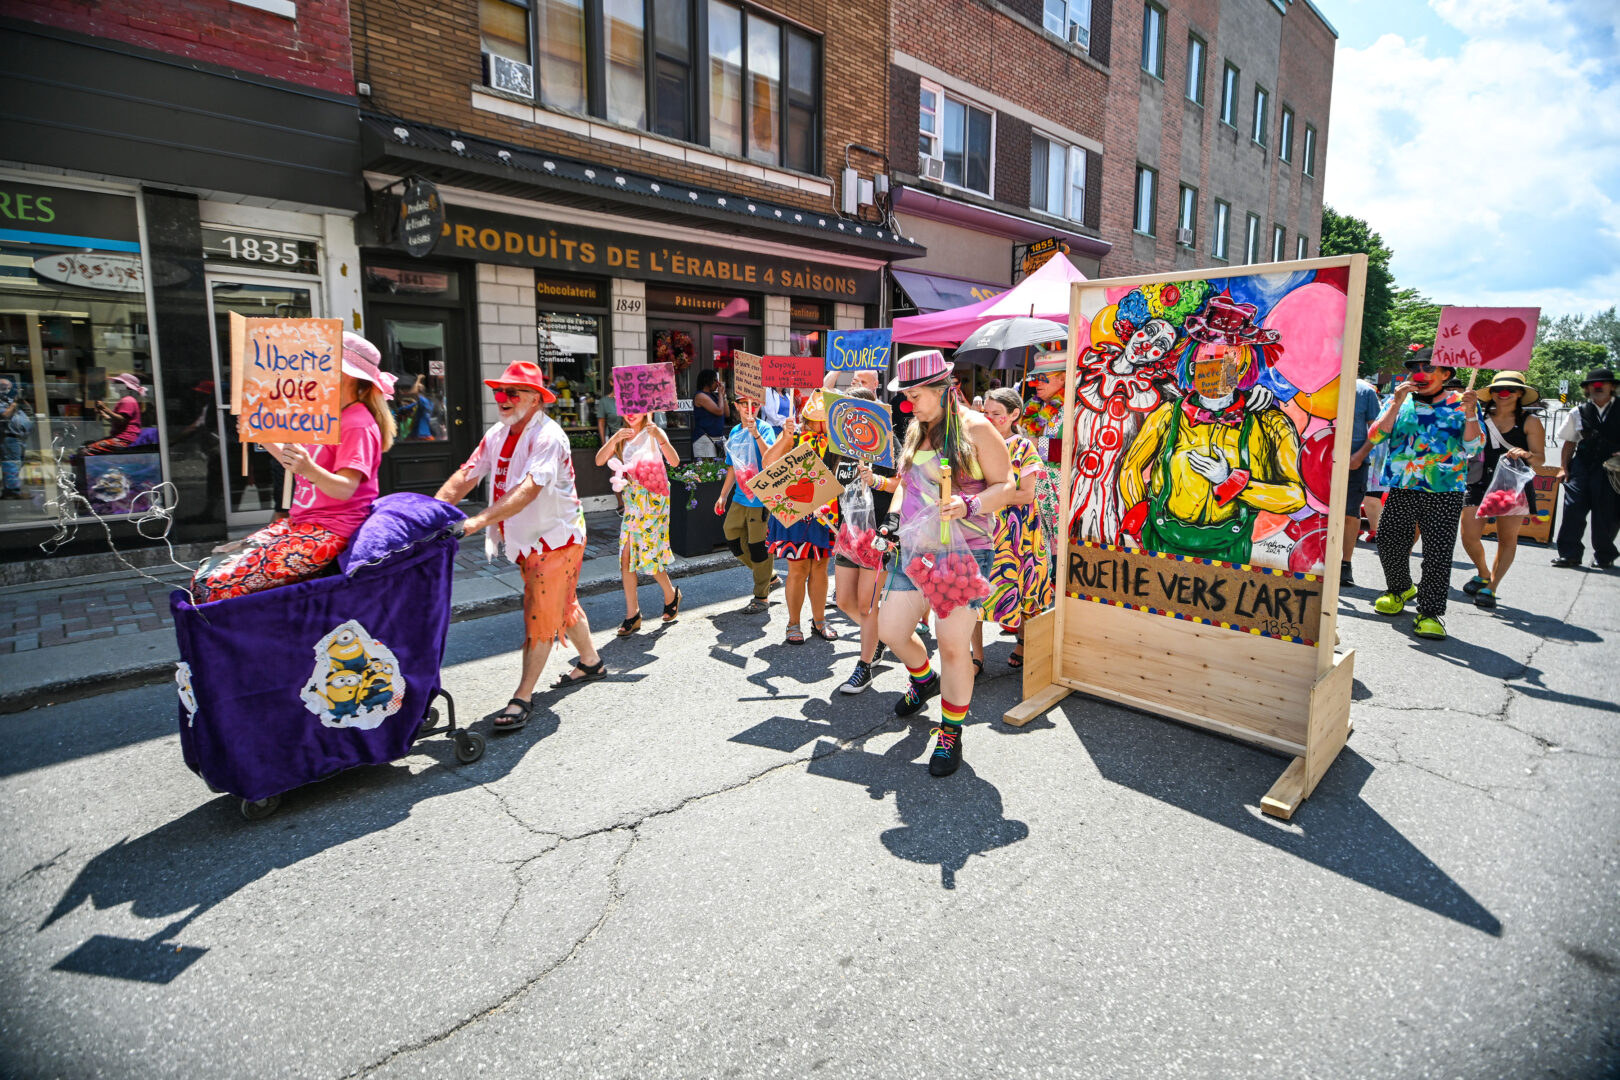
75, 358
571, 355
414, 353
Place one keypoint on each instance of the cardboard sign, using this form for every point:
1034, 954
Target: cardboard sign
1270, 603
749, 375
286, 379
1537, 526
644, 388
796, 486
1496, 339
792, 372
1216, 376
858, 350
860, 429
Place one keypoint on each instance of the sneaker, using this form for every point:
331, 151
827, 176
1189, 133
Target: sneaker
947, 756
916, 696
1427, 626
1485, 598
1346, 576
1561, 561
1475, 584
1392, 604
877, 654
859, 679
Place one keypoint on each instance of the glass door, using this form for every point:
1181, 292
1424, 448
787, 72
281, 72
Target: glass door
422, 348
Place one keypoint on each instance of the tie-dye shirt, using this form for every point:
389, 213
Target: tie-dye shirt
1427, 451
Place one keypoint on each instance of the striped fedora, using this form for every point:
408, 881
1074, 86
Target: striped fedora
919, 369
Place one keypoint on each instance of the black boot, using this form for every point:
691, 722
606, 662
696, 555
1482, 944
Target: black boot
947, 755
917, 694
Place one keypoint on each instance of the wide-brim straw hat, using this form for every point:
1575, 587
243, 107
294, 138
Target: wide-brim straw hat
1511, 380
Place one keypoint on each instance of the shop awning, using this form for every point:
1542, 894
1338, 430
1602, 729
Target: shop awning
1044, 294
938, 292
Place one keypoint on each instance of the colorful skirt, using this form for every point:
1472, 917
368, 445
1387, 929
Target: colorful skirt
644, 532
1020, 572
806, 539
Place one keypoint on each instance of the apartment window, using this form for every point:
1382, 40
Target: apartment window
1300, 246
1153, 40
764, 90
1195, 68
726, 79
1187, 217
1310, 151
967, 138
1278, 250
1251, 240
1069, 20
624, 37
929, 100
1262, 115
503, 29
1147, 184
1057, 178
1223, 223
672, 70
803, 150
560, 35
1285, 135
1229, 89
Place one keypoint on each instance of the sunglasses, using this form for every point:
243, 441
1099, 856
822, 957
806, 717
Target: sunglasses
503, 394
1420, 366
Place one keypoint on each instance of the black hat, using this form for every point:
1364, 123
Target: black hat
1601, 374
1418, 354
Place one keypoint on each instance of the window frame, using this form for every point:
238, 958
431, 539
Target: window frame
1260, 130
1153, 12
530, 26
1071, 154
1302, 246
947, 96
1152, 176
1308, 165
1196, 42
1187, 215
1285, 135
1229, 94
1279, 243
1251, 239
1221, 226
1068, 18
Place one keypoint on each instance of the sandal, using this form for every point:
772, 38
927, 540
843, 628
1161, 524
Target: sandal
672, 610
757, 606
502, 720
795, 636
1016, 660
978, 667
594, 671
629, 626
823, 631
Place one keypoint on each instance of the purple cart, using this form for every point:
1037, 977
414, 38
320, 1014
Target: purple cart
285, 687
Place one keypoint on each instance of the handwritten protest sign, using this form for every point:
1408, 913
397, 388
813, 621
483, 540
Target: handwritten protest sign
796, 486
858, 350
1217, 375
749, 373
1497, 339
860, 429
286, 379
644, 388
791, 372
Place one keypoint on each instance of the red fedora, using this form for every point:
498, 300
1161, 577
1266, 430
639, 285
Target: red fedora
526, 374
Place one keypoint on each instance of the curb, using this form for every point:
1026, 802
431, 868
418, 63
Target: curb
155, 672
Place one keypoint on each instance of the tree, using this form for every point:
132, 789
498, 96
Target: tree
1552, 361
1346, 235
1413, 319
1602, 328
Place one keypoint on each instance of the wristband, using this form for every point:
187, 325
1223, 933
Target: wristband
971, 502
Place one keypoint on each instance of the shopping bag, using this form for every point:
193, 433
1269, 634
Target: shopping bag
857, 531
744, 455
934, 554
644, 463
1505, 495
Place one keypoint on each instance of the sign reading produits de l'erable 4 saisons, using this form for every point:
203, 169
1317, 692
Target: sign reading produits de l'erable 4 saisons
518, 241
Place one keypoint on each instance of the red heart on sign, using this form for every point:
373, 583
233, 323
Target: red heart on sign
803, 491
1493, 338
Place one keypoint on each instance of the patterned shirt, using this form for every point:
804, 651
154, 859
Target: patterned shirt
1427, 451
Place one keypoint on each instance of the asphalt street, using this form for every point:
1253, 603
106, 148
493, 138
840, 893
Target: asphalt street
713, 865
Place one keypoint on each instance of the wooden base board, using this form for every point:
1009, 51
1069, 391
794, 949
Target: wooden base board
1031, 707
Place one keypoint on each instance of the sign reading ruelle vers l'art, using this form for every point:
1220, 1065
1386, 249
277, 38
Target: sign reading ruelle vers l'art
286, 378
1255, 600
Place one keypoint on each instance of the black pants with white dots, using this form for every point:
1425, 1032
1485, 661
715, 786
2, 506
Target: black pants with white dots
1437, 515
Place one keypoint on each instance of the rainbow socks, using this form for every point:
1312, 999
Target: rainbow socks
922, 674
951, 714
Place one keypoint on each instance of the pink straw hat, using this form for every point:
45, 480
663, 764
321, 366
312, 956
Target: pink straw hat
362, 360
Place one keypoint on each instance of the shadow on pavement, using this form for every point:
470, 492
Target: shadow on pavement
1221, 781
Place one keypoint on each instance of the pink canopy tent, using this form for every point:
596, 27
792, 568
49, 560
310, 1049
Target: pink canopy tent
1045, 294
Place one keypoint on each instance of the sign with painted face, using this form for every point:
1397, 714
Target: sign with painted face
860, 429
644, 388
287, 379
1496, 339
858, 350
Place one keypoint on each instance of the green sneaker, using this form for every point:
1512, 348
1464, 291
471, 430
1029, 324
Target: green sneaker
1427, 626
1391, 604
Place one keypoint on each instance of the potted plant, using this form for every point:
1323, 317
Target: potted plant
694, 527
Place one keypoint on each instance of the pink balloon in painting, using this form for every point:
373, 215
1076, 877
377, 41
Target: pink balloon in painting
1311, 322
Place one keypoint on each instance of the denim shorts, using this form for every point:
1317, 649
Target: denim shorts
899, 581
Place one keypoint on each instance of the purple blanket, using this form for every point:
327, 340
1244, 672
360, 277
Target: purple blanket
281, 688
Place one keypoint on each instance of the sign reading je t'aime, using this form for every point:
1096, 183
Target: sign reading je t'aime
1497, 339
286, 379
519, 241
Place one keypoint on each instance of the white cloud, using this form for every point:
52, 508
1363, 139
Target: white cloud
1494, 174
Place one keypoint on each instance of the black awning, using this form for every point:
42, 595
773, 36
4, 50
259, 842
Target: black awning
405, 147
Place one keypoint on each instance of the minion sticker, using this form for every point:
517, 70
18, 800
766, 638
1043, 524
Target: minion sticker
355, 682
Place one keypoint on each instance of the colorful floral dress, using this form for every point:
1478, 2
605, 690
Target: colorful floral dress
1020, 572
644, 531
810, 537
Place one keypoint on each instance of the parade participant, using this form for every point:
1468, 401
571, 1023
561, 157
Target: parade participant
977, 455
711, 415
1590, 461
123, 419
806, 544
534, 512
332, 494
413, 410
1432, 433
855, 585
746, 529
1510, 431
1047, 383
1020, 575
643, 449
15, 426
1362, 417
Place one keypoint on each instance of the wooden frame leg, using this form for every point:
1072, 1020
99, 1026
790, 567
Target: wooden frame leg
1327, 731
1030, 708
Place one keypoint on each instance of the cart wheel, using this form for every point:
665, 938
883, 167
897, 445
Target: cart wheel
258, 811
469, 746
432, 719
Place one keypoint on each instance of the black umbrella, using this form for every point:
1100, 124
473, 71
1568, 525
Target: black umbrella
1006, 343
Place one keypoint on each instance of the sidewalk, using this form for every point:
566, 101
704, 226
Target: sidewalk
79, 636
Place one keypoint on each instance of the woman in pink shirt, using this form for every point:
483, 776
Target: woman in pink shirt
332, 494
124, 419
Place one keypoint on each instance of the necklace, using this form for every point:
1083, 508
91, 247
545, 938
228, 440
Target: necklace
1040, 416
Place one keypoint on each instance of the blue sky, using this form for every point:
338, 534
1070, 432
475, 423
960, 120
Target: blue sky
1482, 139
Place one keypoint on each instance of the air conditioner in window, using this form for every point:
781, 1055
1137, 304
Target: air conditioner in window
508, 75
1080, 35
931, 168
1184, 236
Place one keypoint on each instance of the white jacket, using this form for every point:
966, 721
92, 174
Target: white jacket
543, 455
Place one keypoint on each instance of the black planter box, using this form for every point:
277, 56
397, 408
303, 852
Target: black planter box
699, 530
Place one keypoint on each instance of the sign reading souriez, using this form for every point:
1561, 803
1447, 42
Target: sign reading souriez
519, 241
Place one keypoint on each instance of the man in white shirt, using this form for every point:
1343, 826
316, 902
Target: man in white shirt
535, 512
1591, 438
